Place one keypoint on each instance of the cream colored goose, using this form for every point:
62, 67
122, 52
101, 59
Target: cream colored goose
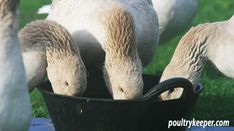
212, 41
15, 109
123, 33
174, 16
48, 45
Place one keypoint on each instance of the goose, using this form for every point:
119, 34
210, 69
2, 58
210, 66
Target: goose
117, 36
15, 108
174, 16
56, 54
206, 42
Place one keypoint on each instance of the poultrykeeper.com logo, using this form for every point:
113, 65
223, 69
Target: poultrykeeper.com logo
197, 123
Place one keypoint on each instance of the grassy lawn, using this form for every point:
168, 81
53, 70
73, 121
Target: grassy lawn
215, 102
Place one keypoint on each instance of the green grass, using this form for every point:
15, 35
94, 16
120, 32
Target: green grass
215, 102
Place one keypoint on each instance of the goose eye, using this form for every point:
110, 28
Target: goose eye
171, 90
121, 89
66, 83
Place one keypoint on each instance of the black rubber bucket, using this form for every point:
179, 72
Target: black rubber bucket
102, 113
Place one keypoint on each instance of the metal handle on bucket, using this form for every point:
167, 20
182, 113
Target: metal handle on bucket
166, 85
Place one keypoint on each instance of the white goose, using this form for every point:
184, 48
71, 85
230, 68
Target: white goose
212, 41
174, 16
15, 108
123, 33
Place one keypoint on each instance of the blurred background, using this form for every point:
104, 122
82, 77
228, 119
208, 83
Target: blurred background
216, 102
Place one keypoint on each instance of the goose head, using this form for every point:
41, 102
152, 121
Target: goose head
58, 55
124, 79
67, 75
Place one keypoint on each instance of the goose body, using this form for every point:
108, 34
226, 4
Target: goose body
174, 16
123, 33
210, 41
45, 9
15, 108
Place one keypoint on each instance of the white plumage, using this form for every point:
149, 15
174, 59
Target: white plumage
174, 16
45, 9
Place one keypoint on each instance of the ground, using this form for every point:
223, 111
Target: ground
215, 102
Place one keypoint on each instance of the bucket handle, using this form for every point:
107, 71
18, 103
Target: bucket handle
166, 85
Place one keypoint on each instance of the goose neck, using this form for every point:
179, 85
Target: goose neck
8, 18
189, 56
